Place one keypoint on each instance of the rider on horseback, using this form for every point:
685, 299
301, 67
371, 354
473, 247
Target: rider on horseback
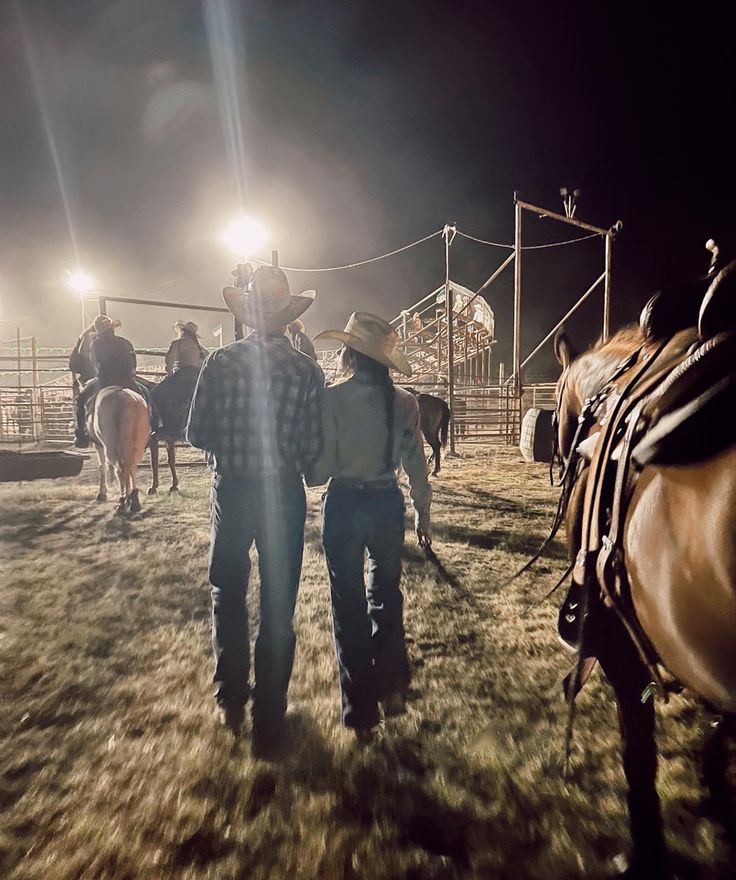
173, 395
80, 363
113, 361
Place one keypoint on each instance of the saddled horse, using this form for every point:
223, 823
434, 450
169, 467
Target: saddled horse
120, 428
651, 524
434, 420
168, 437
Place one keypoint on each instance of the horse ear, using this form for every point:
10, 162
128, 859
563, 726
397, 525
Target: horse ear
564, 350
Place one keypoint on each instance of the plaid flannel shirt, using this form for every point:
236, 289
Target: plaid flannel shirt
256, 409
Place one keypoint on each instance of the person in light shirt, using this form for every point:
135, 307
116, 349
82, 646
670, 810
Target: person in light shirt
370, 428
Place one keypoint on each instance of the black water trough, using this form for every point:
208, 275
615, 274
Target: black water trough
19, 466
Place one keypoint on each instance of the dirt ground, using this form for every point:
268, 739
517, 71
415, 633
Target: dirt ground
112, 766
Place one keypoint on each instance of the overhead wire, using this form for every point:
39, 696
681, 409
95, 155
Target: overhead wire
529, 247
413, 244
406, 247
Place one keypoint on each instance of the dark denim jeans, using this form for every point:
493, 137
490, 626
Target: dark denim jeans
270, 511
368, 624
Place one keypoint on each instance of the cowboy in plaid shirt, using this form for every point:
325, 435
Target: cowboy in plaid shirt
256, 411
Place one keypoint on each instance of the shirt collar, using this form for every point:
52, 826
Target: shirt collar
259, 336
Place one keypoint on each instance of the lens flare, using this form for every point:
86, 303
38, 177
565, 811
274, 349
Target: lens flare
80, 282
245, 237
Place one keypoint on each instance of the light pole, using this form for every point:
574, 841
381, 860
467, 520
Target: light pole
569, 200
82, 284
244, 236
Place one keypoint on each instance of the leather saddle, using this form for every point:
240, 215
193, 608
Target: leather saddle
672, 411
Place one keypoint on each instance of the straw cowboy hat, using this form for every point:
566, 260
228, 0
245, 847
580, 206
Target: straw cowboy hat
181, 326
270, 303
372, 337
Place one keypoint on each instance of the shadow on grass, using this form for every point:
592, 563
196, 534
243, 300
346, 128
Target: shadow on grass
481, 500
28, 526
508, 540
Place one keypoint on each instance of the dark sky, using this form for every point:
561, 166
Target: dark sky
365, 125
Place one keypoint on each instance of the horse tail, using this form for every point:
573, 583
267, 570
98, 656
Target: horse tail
123, 427
135, 430
445, 425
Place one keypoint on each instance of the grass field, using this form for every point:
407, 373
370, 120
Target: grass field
111, 764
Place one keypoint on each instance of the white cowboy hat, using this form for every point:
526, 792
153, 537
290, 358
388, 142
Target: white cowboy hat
372, 337
270, 303
186, 325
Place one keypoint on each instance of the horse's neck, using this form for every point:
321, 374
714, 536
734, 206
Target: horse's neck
594, 370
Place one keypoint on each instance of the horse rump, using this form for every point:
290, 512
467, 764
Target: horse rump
434, 420
120, 429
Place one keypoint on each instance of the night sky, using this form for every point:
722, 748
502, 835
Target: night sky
365, 126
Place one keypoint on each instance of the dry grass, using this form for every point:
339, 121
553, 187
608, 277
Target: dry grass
111, 765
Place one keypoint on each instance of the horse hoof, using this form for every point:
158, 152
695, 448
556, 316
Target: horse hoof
135, 503
101, 496
174, 489
152, 490
120, 509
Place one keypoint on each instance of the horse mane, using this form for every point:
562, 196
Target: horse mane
594, 368
624, 340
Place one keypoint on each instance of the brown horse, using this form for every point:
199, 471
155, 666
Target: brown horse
434, 420
168, 439
170, 444
675, 554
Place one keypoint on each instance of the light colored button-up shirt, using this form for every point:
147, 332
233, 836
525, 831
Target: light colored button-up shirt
354, 435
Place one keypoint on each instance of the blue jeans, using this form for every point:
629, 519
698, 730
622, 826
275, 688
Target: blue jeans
270, 511
368, 625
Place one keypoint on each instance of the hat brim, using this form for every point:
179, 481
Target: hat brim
395, 359
246, 309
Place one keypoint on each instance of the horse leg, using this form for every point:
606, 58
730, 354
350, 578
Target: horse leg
133, 496
437, 456
171, 458
120, 474
134, 501
629, 677
102, 494
153, 447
